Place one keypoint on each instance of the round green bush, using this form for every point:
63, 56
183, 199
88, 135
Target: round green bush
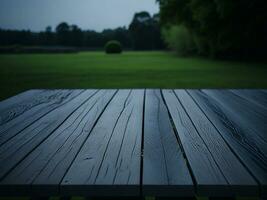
113, 47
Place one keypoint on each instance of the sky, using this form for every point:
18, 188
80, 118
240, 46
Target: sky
97, 15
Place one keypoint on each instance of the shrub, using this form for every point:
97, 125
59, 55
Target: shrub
113, 47
179, 39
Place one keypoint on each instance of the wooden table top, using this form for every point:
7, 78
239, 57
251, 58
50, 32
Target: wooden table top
134, 142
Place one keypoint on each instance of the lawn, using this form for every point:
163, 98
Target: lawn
128, 70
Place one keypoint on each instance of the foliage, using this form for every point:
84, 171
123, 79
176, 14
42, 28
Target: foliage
179, 39
63, 34
222, 28
145, 32
17, 49
113, 46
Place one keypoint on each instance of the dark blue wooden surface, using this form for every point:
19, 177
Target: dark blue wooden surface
134, 142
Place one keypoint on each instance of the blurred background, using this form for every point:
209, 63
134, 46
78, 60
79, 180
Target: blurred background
132, 44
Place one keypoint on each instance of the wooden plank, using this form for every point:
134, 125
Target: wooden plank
243, 126
241, 182
259, 97
109, 161
17, 148
43, 169
23, 114
10, 102
206, 173
165, 172
21, 103
250, 118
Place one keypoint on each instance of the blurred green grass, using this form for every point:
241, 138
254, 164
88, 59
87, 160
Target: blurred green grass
128, 70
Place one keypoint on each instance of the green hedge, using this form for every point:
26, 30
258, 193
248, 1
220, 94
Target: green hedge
113, 47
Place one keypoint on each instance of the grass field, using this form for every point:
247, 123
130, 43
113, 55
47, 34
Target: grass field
129, 70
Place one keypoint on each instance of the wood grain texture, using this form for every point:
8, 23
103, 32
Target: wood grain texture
17, 148
13, 101
208, 176
165, 172
259, 97
90, 142
43, 169
235, 173
18, 105
109, 161
22, 114
242, 124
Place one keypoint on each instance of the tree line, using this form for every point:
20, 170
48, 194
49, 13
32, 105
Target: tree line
215, 28
143, 34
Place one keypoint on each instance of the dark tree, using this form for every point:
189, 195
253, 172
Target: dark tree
76, 36
221, 28
145, 32
47, 37
123, 36
63, 34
